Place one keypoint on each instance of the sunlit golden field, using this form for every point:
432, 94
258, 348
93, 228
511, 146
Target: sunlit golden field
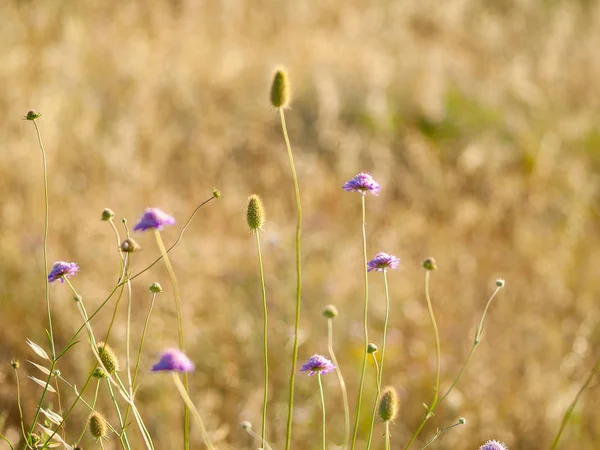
481, 121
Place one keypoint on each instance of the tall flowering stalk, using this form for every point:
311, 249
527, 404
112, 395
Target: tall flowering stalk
280, 99
388, 410
362, 183
255, 215
381, 262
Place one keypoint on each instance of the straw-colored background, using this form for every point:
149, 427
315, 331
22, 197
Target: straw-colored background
481, 121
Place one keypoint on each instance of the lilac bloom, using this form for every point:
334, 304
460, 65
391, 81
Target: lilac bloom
61, 270
154, 219
173, 360
363, 183
493, 445
317, 364
383, 261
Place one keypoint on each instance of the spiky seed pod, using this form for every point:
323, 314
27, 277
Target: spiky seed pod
371, 348
330, 312
107, 214
130, 246
255, 213
108, 358
388, 404
429, 263
97, 425
280, 89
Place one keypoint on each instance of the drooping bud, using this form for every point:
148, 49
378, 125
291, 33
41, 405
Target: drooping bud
155, 288
130, 246
388, 404
330, 312
255, 213
280, 89
371, 348
32, 114
97, 425
108, 357
15, 364
429, 263
107, 214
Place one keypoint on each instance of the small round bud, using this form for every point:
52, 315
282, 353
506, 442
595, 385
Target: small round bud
429, 263
255, 213
15, 364
371, 348
330, 312
108, 357
388, 404
216, 193
280, 89
107, 214
246, 425
99, 373
98, 426
462, 420
77, 298
130, 246
34, 439
32, 114
155, 288
124, 221
500, 283
56, 373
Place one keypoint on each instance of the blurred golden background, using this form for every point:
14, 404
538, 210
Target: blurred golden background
481, 121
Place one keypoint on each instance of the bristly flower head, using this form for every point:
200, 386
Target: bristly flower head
363, 183
61, 270
154, 219
317, 364
383, 261
255, 212
173, 360
493, 445
280, 89
388, 404
97, 425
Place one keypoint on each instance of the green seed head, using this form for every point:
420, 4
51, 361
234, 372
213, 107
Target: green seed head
500, 283
246, 425
98, 426
216, 193
255, 213
371, 348
32, 114
280, 89
388, 404
15, 364
155, 288
108, 357
429, 263
107, 214
99, 373
330, 312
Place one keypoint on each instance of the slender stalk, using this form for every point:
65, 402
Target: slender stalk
571, 407
146, 322
387, 435
91, 408
5, 439
128, 339
380, 370
322, 407
19, 404
122, 435
338, 372
439, 433
60, 412
251, 432
186, 412
438, 354
188, 401
288, 434
366, 330
265, 347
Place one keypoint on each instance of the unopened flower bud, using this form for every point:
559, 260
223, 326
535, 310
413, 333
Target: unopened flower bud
330, 312
280, 89
32, 114
371, 348
155, 288
216, 193
15, 364
107, 214
500, 283
108, 357
130, 246
429, 263
255, 212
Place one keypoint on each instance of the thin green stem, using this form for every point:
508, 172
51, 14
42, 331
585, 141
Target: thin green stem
387, 435
123, 434
338, 372
91, 408
438, 354
60, 412
439, 433
19, 404
5, 439
146, 322
128, 339
366, 330
571, 407
186, 412
288, 434
322, 407
265, 347
251, 432
188, 401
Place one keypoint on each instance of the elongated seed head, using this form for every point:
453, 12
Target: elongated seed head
98, 426
108, 357
388, 404
255, 212
280, 89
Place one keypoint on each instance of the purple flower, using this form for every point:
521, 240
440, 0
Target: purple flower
61, 270
363, 183
317, 364
493, 445
152, 219
383, 261
173, 360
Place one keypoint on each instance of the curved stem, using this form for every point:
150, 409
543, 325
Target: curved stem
188, 401
338, 372
366, 331
288, 434
265, 347
322, 407
439, 433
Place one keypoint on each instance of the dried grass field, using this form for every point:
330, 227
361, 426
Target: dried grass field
481, 122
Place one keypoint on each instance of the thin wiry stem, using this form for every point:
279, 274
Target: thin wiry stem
4, 438
571, 407
288, 434
19, 404
438, 354
188, 401
387, 435
439, 433
366, 330
265, 346
122, 435
322, 408
338, 372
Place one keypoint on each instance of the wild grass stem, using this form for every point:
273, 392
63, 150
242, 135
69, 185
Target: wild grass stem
338, 372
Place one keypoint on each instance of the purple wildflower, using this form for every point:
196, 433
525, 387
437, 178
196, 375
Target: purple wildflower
152, 219
363, 183
61, 270
173, 360
493, 445
317, 364
383, 261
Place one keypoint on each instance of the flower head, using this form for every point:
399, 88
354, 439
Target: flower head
173, 360
363, 183
154, 219
388, 404
383, 261
493, 445
317, 364
61, 270
97, 425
